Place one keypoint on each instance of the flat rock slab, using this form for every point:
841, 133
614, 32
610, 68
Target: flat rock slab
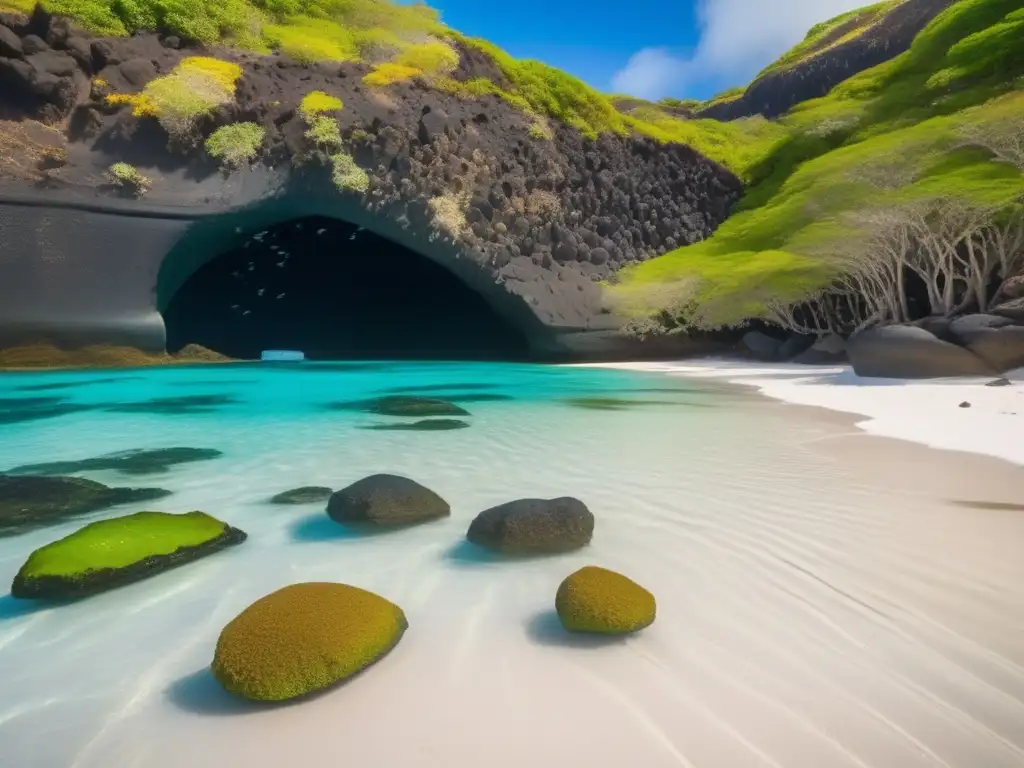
30, 502
135, 462
534, 526
111, 553
386, 500
423, 425
403, 405
307, 494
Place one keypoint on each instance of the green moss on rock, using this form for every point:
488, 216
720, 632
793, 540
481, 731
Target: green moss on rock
111, 553
601, 601
304, 638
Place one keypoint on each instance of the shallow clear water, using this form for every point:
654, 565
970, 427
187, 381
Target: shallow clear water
801, 622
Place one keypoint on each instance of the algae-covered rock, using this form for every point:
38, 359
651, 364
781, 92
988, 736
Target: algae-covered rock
534, 526
111, 553
303, 638
386, 500
27, 503
598, 600
307, 494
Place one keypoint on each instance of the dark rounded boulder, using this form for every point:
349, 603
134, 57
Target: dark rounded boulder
534, 526
407, 405
386, 500
907, 352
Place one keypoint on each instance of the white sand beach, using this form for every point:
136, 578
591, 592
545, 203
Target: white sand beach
826, 598
923, 411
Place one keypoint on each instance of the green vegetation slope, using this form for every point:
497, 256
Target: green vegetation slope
889, 136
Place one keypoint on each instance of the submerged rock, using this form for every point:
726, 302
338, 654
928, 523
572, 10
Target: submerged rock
29, 502
135, 462
907, 352
386, 500
119, 551
303, 638
404, 405
176, 405
534, 526
15, 410
307, 494
598, 600
423, 425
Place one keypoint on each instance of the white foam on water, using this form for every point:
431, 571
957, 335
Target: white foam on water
809, 614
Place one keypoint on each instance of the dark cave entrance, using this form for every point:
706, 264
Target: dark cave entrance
335, 291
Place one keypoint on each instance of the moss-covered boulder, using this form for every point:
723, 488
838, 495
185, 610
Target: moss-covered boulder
303, 638
386, 500
111, 553
27, 503
534, 526
307, 494
601, 601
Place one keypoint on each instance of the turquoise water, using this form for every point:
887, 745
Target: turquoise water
762, 550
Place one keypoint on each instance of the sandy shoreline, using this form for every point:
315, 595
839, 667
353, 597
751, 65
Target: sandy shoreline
827, 598
926, 412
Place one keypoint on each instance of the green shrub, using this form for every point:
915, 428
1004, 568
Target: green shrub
128, 178
180, 99
235, 144
316, 103
324, 133
348, 176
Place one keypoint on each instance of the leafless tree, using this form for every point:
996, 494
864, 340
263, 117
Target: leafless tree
1004, 138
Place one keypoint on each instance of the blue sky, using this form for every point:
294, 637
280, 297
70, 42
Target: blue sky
650, 48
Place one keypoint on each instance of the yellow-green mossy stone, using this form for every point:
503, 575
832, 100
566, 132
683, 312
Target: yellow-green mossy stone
303, 638
598, 600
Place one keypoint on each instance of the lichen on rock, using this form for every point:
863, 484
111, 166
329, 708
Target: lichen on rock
304, 638
601, 601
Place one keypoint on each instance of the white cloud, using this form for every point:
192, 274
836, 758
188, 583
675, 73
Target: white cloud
737, 39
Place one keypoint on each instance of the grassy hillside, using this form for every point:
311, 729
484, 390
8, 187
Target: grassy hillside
831, 33
889, 135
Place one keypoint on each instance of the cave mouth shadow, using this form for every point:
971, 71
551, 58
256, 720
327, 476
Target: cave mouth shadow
335, 291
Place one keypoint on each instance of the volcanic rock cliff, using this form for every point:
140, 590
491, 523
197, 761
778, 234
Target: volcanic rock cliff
533, 222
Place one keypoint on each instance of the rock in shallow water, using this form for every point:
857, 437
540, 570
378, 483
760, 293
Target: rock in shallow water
601, 601
307, 494
534, 526
27, 503
119, 551
405, 405
303, 638
386, 500
134, 462
423, 425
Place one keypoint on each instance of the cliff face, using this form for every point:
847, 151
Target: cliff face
775, 92
532, 223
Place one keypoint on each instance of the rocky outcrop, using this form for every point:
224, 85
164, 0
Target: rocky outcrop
776, 91
537, 222
909, 352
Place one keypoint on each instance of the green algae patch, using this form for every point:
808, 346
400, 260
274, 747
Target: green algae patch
605, 602
304, 638
111, 553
